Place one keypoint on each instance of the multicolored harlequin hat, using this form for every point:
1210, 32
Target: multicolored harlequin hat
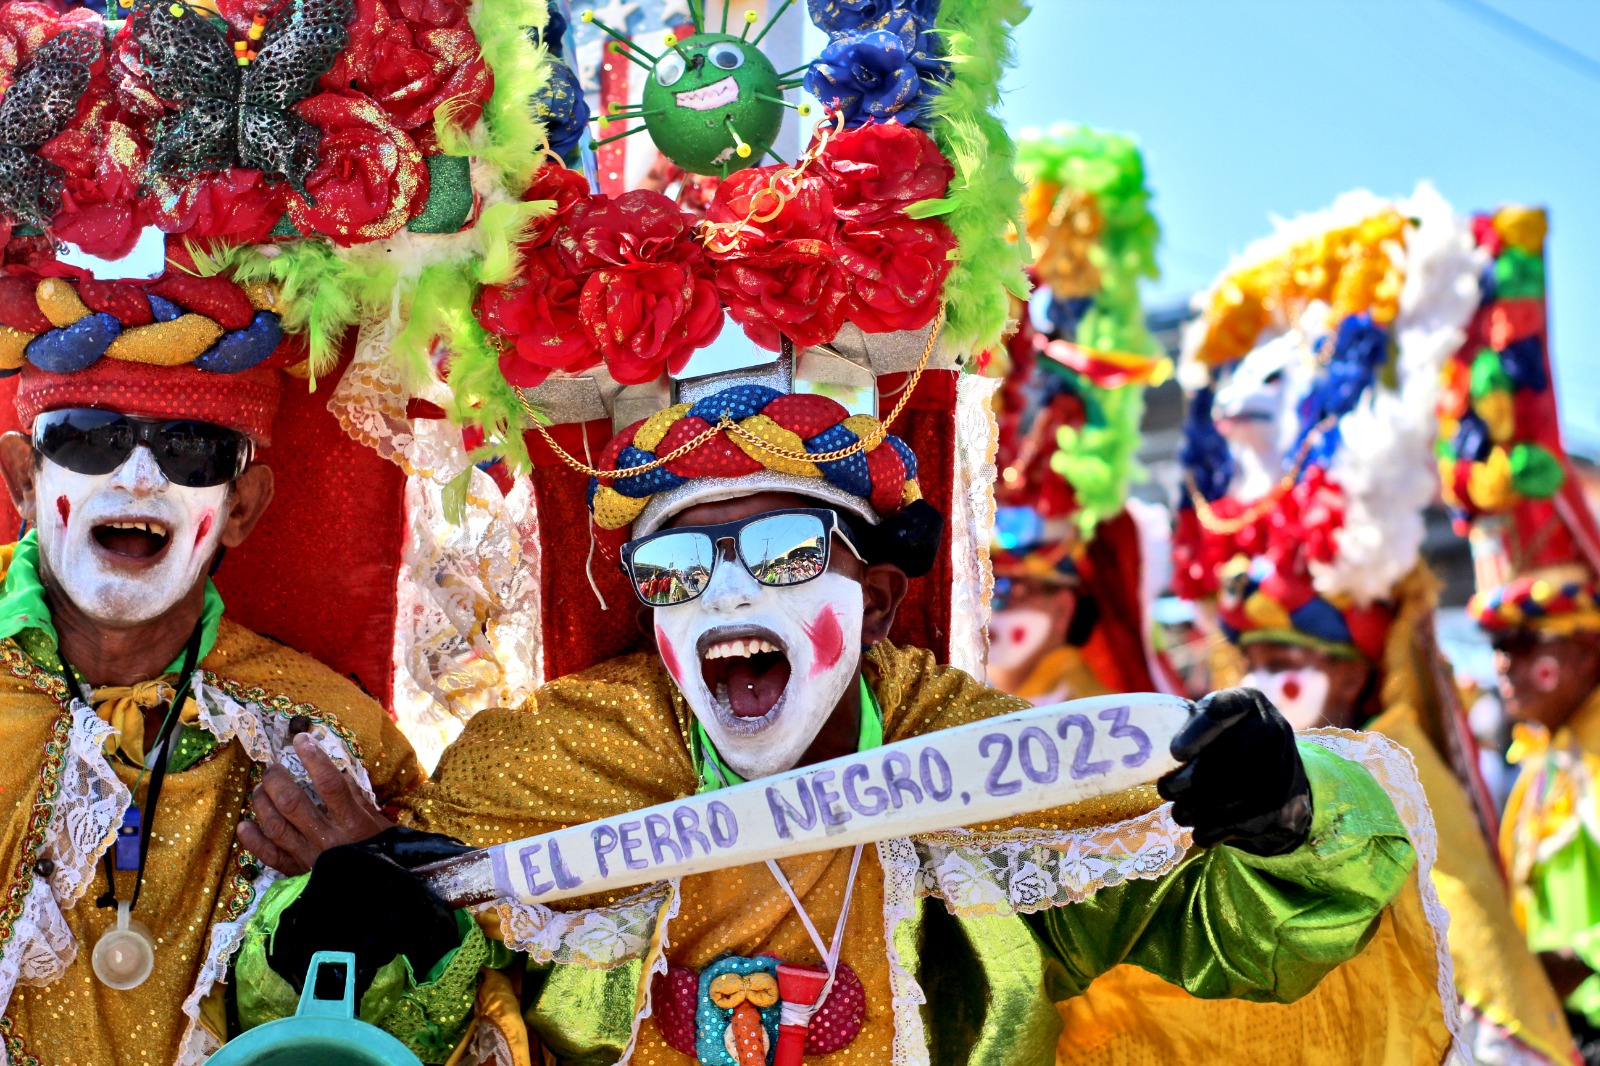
1312, 372
1505, 472
207, 207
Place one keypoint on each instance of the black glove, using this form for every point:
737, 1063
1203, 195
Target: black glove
1242, 780
361, 899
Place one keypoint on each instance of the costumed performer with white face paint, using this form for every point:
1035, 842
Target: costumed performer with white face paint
1328, 599
769, 597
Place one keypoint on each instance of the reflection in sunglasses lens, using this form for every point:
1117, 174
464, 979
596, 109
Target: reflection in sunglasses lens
672, 569
785, 549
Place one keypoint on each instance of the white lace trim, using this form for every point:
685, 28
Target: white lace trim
971, 520
901, 869
84, 816
263, 733
1396, 772
1023, 871
602, 938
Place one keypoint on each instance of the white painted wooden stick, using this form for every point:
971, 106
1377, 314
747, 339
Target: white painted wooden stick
990, 770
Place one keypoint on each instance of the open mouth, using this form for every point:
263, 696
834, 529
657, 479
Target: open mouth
132, 539
708, 97
745, 669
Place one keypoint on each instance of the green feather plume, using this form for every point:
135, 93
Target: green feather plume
512, 143
983, 205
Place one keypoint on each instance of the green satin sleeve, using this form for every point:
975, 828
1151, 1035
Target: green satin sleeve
1563, 912
429, 1014
1227, 924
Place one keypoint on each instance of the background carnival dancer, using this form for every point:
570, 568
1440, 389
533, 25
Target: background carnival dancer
203, 205
1536, 552
1320, 583
1072, 587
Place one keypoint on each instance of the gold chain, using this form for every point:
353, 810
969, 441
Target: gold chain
726, 424
782, 185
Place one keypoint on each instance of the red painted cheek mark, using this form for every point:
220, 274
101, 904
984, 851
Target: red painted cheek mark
669, 657
204, 528
1291, 689
64, 509
827, 641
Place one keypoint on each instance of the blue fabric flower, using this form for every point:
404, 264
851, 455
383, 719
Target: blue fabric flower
869, 76
555, 31
1204, 452
562, 109
854, 16
1524, 363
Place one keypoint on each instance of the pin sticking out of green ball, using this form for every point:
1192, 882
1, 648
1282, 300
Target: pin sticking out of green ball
713, 102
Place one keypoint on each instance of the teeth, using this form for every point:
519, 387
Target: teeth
740, 649
144, 527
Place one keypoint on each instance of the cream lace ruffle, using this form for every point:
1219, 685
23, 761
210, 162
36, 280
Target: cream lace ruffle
972, 504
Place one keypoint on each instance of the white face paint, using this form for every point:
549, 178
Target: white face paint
763, 668
1302, 695
91, 550
1016, 635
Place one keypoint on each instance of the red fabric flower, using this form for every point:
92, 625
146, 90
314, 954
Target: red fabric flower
370, 179
27, 24
794, 289
411, 56
540, 311
101, 159
566, 188
235, 205
878, 170
802, 209
894, 272
648, 300
647, 317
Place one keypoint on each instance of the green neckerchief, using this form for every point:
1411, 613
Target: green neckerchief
25, 617
715, 774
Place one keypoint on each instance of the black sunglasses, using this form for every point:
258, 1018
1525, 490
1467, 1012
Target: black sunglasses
87, 440
778, 548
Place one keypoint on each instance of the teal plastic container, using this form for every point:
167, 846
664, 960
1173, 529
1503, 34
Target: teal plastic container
323, 1032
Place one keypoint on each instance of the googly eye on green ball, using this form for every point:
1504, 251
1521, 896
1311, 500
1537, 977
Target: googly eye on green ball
713, 102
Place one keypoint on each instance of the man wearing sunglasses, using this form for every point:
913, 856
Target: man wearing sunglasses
134, 481
769, 589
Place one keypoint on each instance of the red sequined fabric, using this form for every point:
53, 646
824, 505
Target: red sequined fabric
247, 401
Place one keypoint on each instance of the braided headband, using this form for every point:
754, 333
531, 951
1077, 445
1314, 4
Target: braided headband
210, 323
1252, 610
752, 430
1536, 603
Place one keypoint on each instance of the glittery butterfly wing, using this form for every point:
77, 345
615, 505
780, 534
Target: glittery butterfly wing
299, 46
41, 101
189, 62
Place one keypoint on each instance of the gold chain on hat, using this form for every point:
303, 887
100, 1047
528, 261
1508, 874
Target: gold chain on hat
727, 425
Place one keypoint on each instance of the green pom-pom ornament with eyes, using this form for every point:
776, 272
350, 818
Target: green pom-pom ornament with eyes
712, 104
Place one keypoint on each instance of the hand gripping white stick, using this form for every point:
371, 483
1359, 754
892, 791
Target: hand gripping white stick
998, 768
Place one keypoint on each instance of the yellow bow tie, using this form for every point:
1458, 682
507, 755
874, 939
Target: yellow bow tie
123, 707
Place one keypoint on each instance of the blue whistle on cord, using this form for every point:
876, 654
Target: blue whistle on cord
127, 857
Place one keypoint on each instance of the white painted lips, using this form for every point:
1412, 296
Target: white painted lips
709, 97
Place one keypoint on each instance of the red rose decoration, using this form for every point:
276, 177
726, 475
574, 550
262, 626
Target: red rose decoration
648, 300
894, 272
410, 57
878, 170
565, 188
101, 159
794, 289
236, 205
370, 179
540, 310
649, 317
802, 209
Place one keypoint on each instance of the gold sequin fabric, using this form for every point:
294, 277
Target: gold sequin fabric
193, 872
615, 738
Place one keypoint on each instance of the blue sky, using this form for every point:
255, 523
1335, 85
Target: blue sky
1247, 108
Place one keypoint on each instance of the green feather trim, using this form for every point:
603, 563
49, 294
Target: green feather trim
1110, 167
1099, 461
511, 143
983, 206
